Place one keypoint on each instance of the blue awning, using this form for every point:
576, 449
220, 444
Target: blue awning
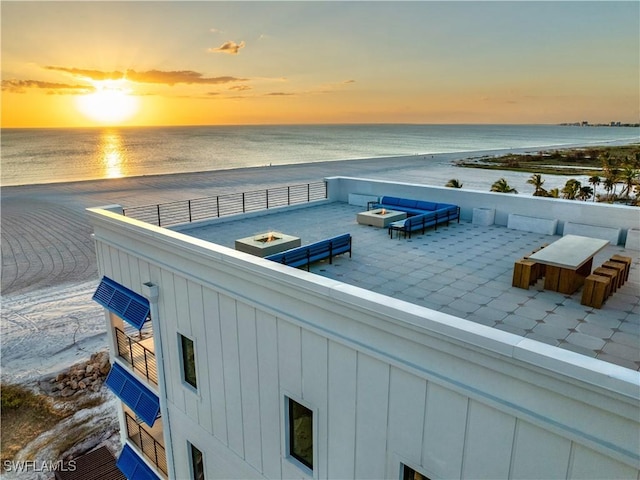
133, 466
131, 391
125, 303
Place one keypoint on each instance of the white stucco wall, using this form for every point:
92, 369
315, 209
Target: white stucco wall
389, 381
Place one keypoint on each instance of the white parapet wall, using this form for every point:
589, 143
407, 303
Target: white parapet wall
633, 239
605, 233
546, 226
621, 217
388, 382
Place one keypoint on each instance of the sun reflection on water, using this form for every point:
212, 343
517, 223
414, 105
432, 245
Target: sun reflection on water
112, 154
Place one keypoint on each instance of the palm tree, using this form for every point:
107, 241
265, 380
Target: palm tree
537, 182
553, 193
595, 181
628, 176
571, 189
585, 193
454, 183
502, 186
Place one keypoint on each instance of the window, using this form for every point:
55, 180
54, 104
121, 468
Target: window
188, 361
409, 473
300, 433
197, 464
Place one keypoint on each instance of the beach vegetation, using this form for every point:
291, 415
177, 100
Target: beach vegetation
501, 185
25, 415
537, 182
570, 162
454, 183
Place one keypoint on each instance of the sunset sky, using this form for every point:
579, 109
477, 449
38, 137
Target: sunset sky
74, 64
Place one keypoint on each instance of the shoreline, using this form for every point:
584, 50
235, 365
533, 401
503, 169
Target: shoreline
441, 156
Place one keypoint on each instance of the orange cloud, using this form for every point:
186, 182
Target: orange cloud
150, 76
21, 86
229, 47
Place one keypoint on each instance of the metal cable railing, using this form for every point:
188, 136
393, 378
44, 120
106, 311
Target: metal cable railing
149, 446
137, 355
186, 211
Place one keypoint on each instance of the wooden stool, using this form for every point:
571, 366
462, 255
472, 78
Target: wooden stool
523, 273
626, 261
594, 293
617, 266
613, 278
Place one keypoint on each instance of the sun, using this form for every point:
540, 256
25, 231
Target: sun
109, 104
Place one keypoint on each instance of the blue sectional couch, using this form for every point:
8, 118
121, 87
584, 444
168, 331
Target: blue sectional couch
307, 254
421, 214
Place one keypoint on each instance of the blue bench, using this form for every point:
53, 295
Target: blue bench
307, 254
408, 205
444, 214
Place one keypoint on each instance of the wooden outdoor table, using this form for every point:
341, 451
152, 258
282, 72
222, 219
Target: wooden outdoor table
569, 261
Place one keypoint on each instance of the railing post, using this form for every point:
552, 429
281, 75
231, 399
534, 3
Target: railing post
130, 350
159, 215
243, 207
267, 199
146, 364
308, 192
288, 195
189, 211
218, 206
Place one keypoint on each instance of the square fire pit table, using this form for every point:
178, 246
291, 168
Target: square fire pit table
265, 244
380, 217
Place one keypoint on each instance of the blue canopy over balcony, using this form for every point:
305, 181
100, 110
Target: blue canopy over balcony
131, 391
125, 303
133, 466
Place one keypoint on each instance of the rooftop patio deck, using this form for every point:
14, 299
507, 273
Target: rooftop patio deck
463, 270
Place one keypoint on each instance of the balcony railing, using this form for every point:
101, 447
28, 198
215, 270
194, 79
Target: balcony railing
141, 359
149, 446
187, 211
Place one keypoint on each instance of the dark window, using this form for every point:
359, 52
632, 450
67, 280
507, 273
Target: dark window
197, 465
409, 473
301, 433
188, 361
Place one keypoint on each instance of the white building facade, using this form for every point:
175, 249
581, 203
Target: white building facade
251, 369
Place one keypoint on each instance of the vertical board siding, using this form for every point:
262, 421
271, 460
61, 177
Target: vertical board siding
588, 464
171, 350
407, 395
342, 410
231, 366
201, 402
314, 391
269, 391
182, 306
289, 358
214, 366
489, 443
533, 444
250, 384
444, 431
371, 418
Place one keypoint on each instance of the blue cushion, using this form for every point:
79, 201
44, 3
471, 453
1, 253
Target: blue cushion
422, 205
390, 201
407, 202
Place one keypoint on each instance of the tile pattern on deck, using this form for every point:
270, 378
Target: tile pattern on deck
464, 270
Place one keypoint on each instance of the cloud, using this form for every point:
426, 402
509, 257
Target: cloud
21, 86
230, 47
149, 76
278, 94
349, 81
240, 88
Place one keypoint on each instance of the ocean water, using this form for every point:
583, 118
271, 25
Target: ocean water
35, 156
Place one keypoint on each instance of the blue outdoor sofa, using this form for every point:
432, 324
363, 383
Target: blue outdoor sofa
307, 254
421, 214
